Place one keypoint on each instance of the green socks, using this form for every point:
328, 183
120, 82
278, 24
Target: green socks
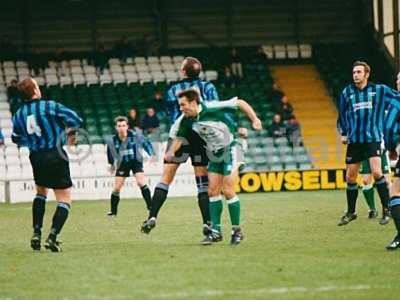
216, 207
368, 191
234, 211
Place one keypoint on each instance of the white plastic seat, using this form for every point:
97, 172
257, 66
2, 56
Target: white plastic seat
280, 51
65, 80
118, 77
140, 60
165, 59
305, 51
211, 75
151, 60
292, 51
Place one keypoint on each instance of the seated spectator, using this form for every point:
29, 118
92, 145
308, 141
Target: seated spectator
13, 96
277, 128
1, 138
236, 64
133, 119
228, 79
260, 57
285, 109
293, 132
101, 59
275, 95
123, 48
150, 122
159, 105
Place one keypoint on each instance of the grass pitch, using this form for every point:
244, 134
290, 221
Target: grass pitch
293, 250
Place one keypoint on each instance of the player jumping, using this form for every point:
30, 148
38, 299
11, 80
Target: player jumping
213, 121
195, 148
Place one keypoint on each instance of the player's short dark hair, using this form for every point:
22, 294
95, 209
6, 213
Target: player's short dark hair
366, 66
26, 88
190, 94
120, 119
192, 67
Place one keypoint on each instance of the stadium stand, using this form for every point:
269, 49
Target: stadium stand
100, 96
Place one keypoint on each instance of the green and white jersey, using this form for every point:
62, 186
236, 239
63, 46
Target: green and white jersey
215, 124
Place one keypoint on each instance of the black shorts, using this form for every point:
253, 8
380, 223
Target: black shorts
124, 170
194, 147
358, 152
397, 169
51, 169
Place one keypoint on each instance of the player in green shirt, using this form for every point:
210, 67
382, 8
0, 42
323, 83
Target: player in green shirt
215, 123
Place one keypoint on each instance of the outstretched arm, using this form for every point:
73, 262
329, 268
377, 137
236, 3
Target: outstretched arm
250, 113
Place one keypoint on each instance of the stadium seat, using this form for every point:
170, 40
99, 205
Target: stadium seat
292, 51
305, 51
280, 51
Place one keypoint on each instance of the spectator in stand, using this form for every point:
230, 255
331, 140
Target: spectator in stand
275, 95
228, 79
13, 96
293, 132
277, 128
123, 48
236, 64
159, 105
1, 138
37, 61
133, 119
285, 109
150, 122
101, 59
260, 58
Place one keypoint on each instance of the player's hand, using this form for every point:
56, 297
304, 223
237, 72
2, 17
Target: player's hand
343, 140
393, 155
111, 169
257, 125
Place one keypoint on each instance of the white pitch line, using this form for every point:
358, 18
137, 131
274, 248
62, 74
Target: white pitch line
282, 290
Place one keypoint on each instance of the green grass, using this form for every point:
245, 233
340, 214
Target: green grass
293, 250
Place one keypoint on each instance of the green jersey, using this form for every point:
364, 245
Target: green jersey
215, 124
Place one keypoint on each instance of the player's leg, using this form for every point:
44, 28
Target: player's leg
63, 198
159, 196
141, 182
216, 207
203, 201
351, 193
115, 194
228, 187
38, 210
395, 207
381, 186
368, 192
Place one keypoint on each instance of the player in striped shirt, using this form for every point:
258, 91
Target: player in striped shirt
195, 148
213, 121
361, 115
40, 124
124, 156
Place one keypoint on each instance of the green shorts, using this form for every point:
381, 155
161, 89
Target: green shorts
365, 168
224, 161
